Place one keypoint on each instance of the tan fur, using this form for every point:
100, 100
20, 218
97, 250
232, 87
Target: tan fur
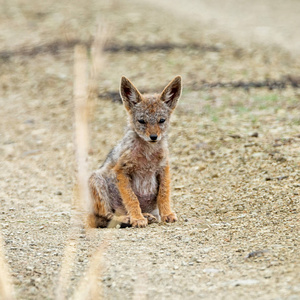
130, 200
163, 197
134, 181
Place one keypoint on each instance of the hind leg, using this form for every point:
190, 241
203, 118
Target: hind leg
102, 214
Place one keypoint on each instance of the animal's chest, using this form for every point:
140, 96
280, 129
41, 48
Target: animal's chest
144, 183
144, 177
146, 166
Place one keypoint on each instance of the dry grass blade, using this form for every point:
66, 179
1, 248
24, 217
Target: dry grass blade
81, 124
81, 194
97, 58
89, 284
65, 273
89, 287
6, 286
141, 287
84, 91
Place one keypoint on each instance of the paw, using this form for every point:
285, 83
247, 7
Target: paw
124, 219
121, 221
151, 219
139, 223
171, 218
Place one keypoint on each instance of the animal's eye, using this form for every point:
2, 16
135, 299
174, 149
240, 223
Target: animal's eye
161, 121
142, 121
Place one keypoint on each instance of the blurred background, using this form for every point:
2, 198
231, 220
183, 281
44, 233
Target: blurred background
209, 44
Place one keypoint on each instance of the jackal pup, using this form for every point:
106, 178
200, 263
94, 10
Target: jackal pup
133, 184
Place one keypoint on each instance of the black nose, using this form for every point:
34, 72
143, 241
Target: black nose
153, 137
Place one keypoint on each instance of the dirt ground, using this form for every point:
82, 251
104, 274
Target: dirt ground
234, 154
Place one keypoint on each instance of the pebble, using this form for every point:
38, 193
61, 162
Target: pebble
235, 136
29, 121
250, 145
30, 152
206, 250
179, 187
211, 271
222, 210
241, 282
254, 134
260, 155
239, 207
257, 253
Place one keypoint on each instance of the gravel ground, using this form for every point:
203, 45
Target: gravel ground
234, 154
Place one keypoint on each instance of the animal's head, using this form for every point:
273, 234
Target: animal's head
150, 114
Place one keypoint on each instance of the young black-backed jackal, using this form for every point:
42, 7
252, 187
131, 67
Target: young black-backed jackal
133, 184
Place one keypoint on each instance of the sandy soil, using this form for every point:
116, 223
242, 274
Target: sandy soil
234, 154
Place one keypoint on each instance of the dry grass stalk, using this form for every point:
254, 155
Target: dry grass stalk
85, 91
89, 287
66, 269
97, 61
81, 194
6, 286
81, 125
141, 287
84, 94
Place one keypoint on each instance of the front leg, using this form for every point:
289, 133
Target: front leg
130, 200
163, 198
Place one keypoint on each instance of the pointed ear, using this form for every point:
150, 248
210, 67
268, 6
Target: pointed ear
129, 93
172, 92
